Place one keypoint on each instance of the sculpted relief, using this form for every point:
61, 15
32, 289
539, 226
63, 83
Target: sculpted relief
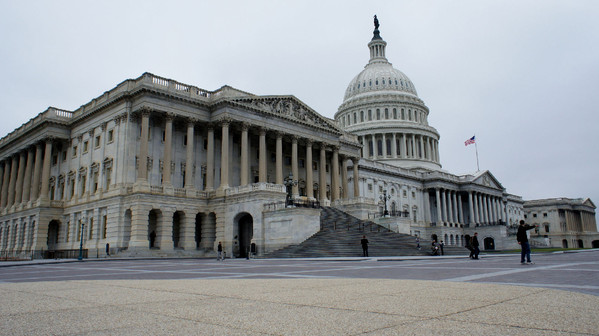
286, 107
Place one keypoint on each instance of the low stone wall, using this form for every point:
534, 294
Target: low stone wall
289, 226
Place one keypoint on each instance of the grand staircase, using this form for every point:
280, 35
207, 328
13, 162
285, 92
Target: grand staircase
340, 235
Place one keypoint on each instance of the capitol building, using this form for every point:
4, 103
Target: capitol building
155, 167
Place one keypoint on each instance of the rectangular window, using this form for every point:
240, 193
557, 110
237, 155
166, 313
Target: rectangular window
369, 187
97, 141
110, 136
64, 155
54, 159
85, 146
74, 150
91, 228
302, 163
545, 214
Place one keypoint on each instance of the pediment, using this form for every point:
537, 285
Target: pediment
588, 202
487, 179
287, 107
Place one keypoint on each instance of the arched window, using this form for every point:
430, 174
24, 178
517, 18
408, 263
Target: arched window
361, 116
379, 146
369, 115
378, 114
355, 118
394, 113
386, 113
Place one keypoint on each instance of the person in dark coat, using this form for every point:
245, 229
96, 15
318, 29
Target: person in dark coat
364, 243
475, 244
441, 244
219, 252
522, 238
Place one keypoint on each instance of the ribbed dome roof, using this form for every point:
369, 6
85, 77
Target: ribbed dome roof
379, 76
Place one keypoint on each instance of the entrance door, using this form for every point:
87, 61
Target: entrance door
246, 231
489, 243
52, 235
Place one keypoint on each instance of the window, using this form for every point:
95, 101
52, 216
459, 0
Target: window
405, 193
534, 215
91, 228
544, 214
185, 140
54, 159
369, 187
74, 150
369, 115
95, 185
97, 141
413, 194
64, 155
546, 227
108, 177
355, 118
288, 160
386, 113
85, 146
104, 221
302, 163
378, 114
380, 189
110, 136
361, 116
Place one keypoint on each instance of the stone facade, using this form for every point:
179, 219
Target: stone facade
158, 167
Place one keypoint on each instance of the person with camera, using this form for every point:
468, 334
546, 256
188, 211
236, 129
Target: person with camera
522, 238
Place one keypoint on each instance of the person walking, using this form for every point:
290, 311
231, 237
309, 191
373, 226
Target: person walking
475, 244
364, 243
522, 238
418, 243
219, 252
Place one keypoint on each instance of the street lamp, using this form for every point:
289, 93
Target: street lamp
289, 183
384, 197
81, 242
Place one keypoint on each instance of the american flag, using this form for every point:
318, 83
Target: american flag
469, 141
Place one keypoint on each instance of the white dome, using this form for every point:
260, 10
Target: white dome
379, 76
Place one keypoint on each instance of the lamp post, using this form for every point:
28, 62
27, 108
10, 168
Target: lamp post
81, 242
289, 183
384, 198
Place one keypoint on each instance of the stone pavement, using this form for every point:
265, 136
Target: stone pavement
305, 306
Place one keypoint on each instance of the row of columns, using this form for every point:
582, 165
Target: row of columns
142, 174
410, 146
17, 236
20, 175
483, 208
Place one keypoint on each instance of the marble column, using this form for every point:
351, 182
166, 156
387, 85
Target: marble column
20, 178
13, 181
384, 145
262, 173
224, 156
294, 166
455, 206
394, 147
309, 171
344, 182
5, 182
2, 164
448, 203
422, 153
476, 212
28, 172
439, 213
470, 208
37, 173
322, 181
355, 162
279, 158
402, 145
210, 159
46, 170
335, 174
188, 241
189, 159
168, 147
460, 210
245, 174
164, 230
142, 170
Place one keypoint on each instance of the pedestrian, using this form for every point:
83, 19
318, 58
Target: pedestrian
469, 246
522, 238
441, 247
434, 248
107, 250
364, 243
475, 245
219, 252
418, 243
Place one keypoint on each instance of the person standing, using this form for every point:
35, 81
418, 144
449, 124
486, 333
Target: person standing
219, 252
418, 243
441, 247
522, 238
475, 244
364, 243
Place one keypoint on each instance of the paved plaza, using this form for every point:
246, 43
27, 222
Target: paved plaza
558, 295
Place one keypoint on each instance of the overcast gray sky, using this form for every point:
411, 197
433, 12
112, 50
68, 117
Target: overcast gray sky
521, 75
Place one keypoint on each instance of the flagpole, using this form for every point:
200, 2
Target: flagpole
476, 148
